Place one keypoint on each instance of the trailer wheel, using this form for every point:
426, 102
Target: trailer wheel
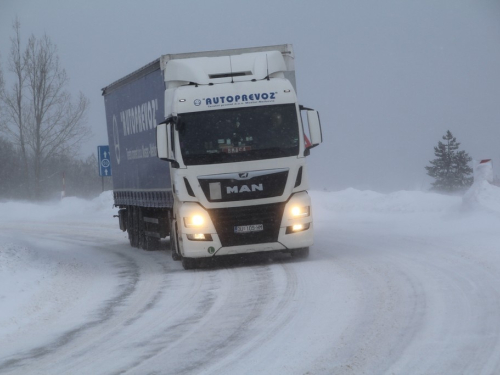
141, 236
300, 253
132, 226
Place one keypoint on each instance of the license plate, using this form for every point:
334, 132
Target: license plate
248, 228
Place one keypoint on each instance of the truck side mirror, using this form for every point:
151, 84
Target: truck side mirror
314, 128
164, 143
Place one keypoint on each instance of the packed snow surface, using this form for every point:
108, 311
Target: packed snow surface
401, 283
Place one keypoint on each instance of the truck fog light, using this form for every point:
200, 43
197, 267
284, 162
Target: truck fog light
194, 221
298, 211
297, 228
199, 237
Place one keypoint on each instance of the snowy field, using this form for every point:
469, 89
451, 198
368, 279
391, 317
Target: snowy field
401, 283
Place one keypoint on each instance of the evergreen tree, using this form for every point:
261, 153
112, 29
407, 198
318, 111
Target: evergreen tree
450, 169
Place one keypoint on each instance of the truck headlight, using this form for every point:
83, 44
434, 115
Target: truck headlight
194, 221
301, 211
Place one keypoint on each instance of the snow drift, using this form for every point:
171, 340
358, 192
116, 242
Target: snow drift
482, 195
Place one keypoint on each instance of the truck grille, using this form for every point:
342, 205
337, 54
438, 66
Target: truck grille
225, 219
230, 187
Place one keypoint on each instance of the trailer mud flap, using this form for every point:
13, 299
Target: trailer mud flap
122, 219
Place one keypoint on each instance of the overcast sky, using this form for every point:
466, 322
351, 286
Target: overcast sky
388, 77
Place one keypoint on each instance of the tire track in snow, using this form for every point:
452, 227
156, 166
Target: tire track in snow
271, 320
462, 334
95, 350
105, 322
232, 326
129, 272
203, 337
425, 306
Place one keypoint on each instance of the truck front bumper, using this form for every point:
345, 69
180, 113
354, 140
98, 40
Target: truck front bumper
285, 226
203, 249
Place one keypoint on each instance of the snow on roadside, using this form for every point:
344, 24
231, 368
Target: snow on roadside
68, 209
43, 277
21, 273
352, 201
482, 196
427, 214
23, 270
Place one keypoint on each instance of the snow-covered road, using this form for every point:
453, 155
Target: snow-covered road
401, 283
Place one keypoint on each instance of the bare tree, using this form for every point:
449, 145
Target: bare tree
42, 120
2, 88
13, 103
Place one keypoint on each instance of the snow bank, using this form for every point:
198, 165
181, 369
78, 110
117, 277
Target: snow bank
483, 171
68, 209
482, 196
45, 277
352, 200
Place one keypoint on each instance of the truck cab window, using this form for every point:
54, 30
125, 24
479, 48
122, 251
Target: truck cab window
242, 134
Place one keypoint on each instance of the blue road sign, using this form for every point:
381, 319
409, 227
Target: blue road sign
104, 161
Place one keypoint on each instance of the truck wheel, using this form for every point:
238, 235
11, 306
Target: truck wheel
151, 243
300, 253
132, 226
141, 236
173, 243
189, 263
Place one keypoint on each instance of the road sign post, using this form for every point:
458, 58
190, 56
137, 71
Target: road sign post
104, 159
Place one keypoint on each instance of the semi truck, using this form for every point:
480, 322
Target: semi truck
209, 149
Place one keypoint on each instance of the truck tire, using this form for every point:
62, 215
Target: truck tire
141, 236
132, 226
173, 242
300, 253
151, 243
189, 263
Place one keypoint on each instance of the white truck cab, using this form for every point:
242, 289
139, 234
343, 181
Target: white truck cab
236, 144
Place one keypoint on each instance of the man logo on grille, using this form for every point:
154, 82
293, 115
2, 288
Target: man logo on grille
244, 188
243, 175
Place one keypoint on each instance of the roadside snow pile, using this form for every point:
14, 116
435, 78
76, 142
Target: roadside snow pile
482, 195
352, 200
68, 209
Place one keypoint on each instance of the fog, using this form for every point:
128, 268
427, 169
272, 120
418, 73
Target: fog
388, 77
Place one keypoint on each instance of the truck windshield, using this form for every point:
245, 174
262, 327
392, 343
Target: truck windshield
241, 134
